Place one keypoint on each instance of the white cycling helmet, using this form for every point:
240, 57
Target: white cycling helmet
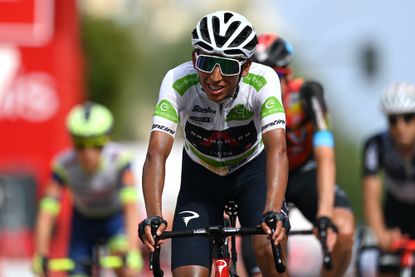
225, 33
399, 98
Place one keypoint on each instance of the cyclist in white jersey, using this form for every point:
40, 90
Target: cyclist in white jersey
100, 180
230, 111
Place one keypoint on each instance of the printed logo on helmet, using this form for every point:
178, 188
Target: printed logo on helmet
271, 106
166, 110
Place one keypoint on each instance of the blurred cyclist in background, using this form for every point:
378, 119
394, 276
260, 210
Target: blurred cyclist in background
310, 147
392, 152
234, 126
104, 194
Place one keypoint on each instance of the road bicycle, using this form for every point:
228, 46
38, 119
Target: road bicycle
100, 262
224, 255
406, 251
401, 259
327, 259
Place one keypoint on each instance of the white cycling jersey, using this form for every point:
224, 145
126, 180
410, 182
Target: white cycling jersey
96, 194
220, 136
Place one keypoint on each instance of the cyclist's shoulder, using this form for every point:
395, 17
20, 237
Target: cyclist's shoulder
258, 77
181, 78
309, 88
378, 137
118, 153
65, 158
260, 70
181, 71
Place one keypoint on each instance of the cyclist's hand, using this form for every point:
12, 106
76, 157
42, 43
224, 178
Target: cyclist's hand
277, 224
149, 229
38, 265
325, 229
386, 239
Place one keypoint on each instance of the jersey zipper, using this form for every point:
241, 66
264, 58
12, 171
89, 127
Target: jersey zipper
220, 132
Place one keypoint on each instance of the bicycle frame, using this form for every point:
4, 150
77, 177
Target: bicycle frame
406, 248
327, 260
224, 263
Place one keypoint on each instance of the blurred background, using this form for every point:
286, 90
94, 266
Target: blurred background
54, 54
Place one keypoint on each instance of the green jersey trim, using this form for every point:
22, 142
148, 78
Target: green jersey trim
256, 81
271, 106
183, 84
166, 110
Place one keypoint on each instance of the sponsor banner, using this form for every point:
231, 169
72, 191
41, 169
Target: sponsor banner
40, 80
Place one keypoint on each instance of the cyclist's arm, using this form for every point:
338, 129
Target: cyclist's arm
48, 209
154, 169
326, 175
372, 204
312, 94
277, 168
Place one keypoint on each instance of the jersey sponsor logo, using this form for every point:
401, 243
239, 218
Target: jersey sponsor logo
221, 144
239, 112
163, 128
166, 110
275, 122
271, 106
199, 109
256, 81
200, 119
192, 215
182, 85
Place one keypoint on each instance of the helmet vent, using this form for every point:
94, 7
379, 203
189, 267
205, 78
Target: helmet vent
242, 36
87, 110
204, 30
227, 16
204, 46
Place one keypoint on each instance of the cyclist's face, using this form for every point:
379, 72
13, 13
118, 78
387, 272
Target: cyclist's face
402, 128
89, 158
217, 86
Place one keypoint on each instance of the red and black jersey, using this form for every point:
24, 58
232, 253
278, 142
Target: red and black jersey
307, 120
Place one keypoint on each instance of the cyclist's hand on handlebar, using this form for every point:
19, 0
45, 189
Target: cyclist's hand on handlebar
150, 229
277, 224
326, 230
39, 265
387, 237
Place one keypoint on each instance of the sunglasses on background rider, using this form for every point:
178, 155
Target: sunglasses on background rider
228, 66
81, 143
407, 117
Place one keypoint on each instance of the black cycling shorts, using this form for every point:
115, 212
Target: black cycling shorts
398, 214
302, 192
201, 201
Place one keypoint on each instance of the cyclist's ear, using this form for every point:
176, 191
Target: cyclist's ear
194, 57
245, 67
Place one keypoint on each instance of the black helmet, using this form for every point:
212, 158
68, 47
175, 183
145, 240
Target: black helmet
273, 51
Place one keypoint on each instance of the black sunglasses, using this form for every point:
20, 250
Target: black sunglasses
407, 117
228, 66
